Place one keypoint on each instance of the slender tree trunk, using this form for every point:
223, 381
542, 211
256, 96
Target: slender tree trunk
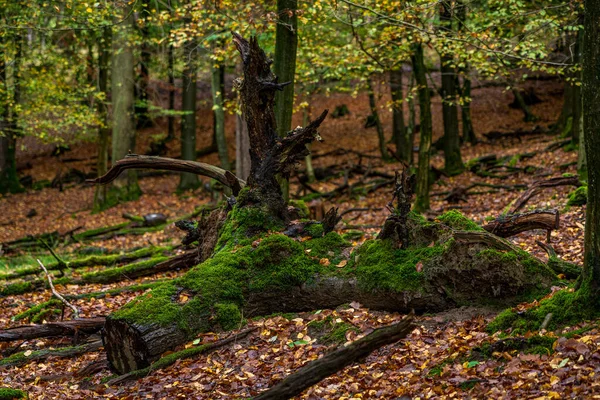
528, 116
171, 78
104, 46
400, 133
452, 158
286, 43
422, 193
9, 180
123, 127
378, 125
467, 123
577, 100
188, 121
591, 123
412, 126
217, 87
310, 171
141, 108
578, 121
468, 133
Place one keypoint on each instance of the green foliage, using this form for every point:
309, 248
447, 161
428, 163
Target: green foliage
578, 197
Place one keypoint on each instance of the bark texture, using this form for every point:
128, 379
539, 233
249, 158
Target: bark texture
188, 120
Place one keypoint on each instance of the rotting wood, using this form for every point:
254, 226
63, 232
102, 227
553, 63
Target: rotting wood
510, 225
69, 328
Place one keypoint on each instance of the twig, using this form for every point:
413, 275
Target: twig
546, 321
56, 294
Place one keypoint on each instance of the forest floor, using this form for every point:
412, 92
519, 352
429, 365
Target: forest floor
436, 361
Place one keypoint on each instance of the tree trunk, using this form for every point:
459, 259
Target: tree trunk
400, 133
217, 88
453, 164
467, 123
422, 192
564, 123
104, 45
310, 171
591, 123
378, 125
412, 126
123, 126
141, 107
242, 143
578, 133
188, 120
171, 78
9, 180
286, 44
520, 101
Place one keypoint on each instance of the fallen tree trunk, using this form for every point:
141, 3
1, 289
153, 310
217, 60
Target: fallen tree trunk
68, 328
317, 370
39, 355
538, 186
255, 270
506, 226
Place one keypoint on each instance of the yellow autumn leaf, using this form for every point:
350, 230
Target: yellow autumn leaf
554, 380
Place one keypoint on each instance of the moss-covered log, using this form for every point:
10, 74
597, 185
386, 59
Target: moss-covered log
65, 352
255, 274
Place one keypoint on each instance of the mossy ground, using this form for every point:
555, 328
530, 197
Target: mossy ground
328, 331
457, 221
578, 197
567, 307
12, 394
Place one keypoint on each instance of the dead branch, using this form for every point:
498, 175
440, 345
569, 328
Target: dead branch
170, 164
317, 370
538, 186
56, 294
20, 359
68, 328
506, 226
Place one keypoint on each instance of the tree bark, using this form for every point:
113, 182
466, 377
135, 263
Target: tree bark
422, 192
400, 133
591, 124
104, 45
514, 224
217, 88
286, 44
453, 164
242, 142
69, 328
188, 120
123, 126
9, 180
375, 116
141, 107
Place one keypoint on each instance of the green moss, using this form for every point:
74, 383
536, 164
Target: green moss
36, 310
314, 230
228, 315
456, 220
113, 274
535, 344
566, 307
379, 265
329, 246
353, 234
578, 197
12, 394
277, 263
244, 224
301, 206
16, 288
338, 334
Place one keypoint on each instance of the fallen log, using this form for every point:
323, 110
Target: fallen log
86, 326
506, 226
170, 359
317, 370
538, 186
39, 355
